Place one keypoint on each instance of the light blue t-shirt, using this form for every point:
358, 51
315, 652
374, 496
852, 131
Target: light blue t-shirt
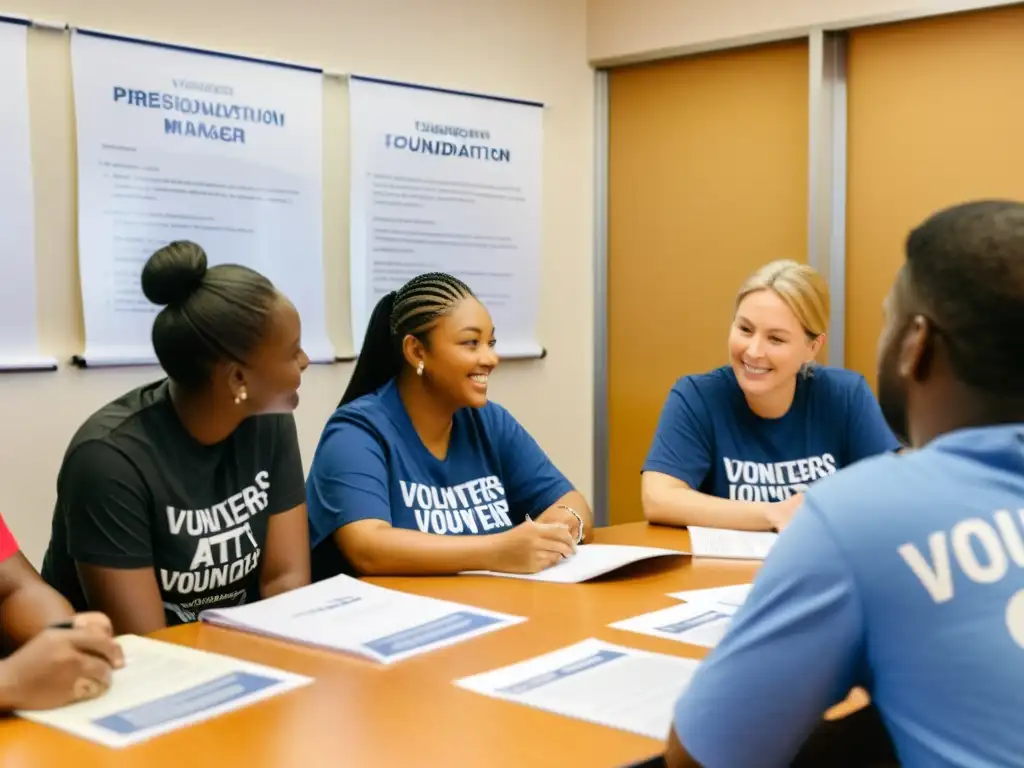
370, 463
903, 575
709, 438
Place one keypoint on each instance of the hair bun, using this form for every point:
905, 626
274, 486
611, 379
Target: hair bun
173, 273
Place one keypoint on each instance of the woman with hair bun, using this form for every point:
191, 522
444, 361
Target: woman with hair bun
188, 493
737, 446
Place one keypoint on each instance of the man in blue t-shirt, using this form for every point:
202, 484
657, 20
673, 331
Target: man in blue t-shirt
903, 575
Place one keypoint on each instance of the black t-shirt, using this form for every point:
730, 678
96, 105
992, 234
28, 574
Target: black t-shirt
136, 489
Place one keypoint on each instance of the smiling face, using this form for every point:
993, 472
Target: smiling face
767, 344
459, 355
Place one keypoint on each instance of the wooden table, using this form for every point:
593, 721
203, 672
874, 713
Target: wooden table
358, 713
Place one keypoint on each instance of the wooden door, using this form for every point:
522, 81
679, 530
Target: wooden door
935, 116
707, 180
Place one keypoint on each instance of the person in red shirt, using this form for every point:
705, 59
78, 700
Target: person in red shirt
55, 656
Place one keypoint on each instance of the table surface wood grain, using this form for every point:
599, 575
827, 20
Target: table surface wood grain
359, 713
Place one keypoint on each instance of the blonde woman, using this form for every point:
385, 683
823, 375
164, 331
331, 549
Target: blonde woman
737, 446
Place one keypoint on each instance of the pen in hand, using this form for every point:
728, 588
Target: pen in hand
531, 520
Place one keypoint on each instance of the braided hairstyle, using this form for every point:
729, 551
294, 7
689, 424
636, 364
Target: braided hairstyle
412, 310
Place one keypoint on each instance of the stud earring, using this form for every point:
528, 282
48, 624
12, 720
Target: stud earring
419, 369
241, 397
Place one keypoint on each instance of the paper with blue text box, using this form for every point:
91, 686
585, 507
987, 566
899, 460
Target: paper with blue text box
694, 623
728, 598
589, 562
182, 145
599, 682
346, 614
164, 687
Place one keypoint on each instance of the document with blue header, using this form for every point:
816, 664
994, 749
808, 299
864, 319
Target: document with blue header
353, 616
728, 598
163, 687
703, 624
599, 682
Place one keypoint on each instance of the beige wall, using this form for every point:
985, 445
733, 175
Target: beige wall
534, 49
634, 30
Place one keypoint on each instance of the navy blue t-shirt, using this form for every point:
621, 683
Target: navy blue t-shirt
371, 464
709, 438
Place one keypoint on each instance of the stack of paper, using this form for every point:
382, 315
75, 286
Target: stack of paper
346, 614
596, 681
163, 687
730, 545
590, 561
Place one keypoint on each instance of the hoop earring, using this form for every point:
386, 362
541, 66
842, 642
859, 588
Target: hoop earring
419, 369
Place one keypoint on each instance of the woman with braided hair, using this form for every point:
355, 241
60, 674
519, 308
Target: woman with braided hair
415, 460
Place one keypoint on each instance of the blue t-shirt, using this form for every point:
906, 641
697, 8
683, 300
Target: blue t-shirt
903, 575
709, 438
370, 463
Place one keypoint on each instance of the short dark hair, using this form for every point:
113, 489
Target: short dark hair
965, 267
210, 314
411, 310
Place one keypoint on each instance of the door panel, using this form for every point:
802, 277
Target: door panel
707, 181
934, 120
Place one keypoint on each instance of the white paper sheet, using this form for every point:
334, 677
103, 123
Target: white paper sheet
599, 682
693, 623
730, 545
728, 598
164, 687
590, 561
347, 614
19, 335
